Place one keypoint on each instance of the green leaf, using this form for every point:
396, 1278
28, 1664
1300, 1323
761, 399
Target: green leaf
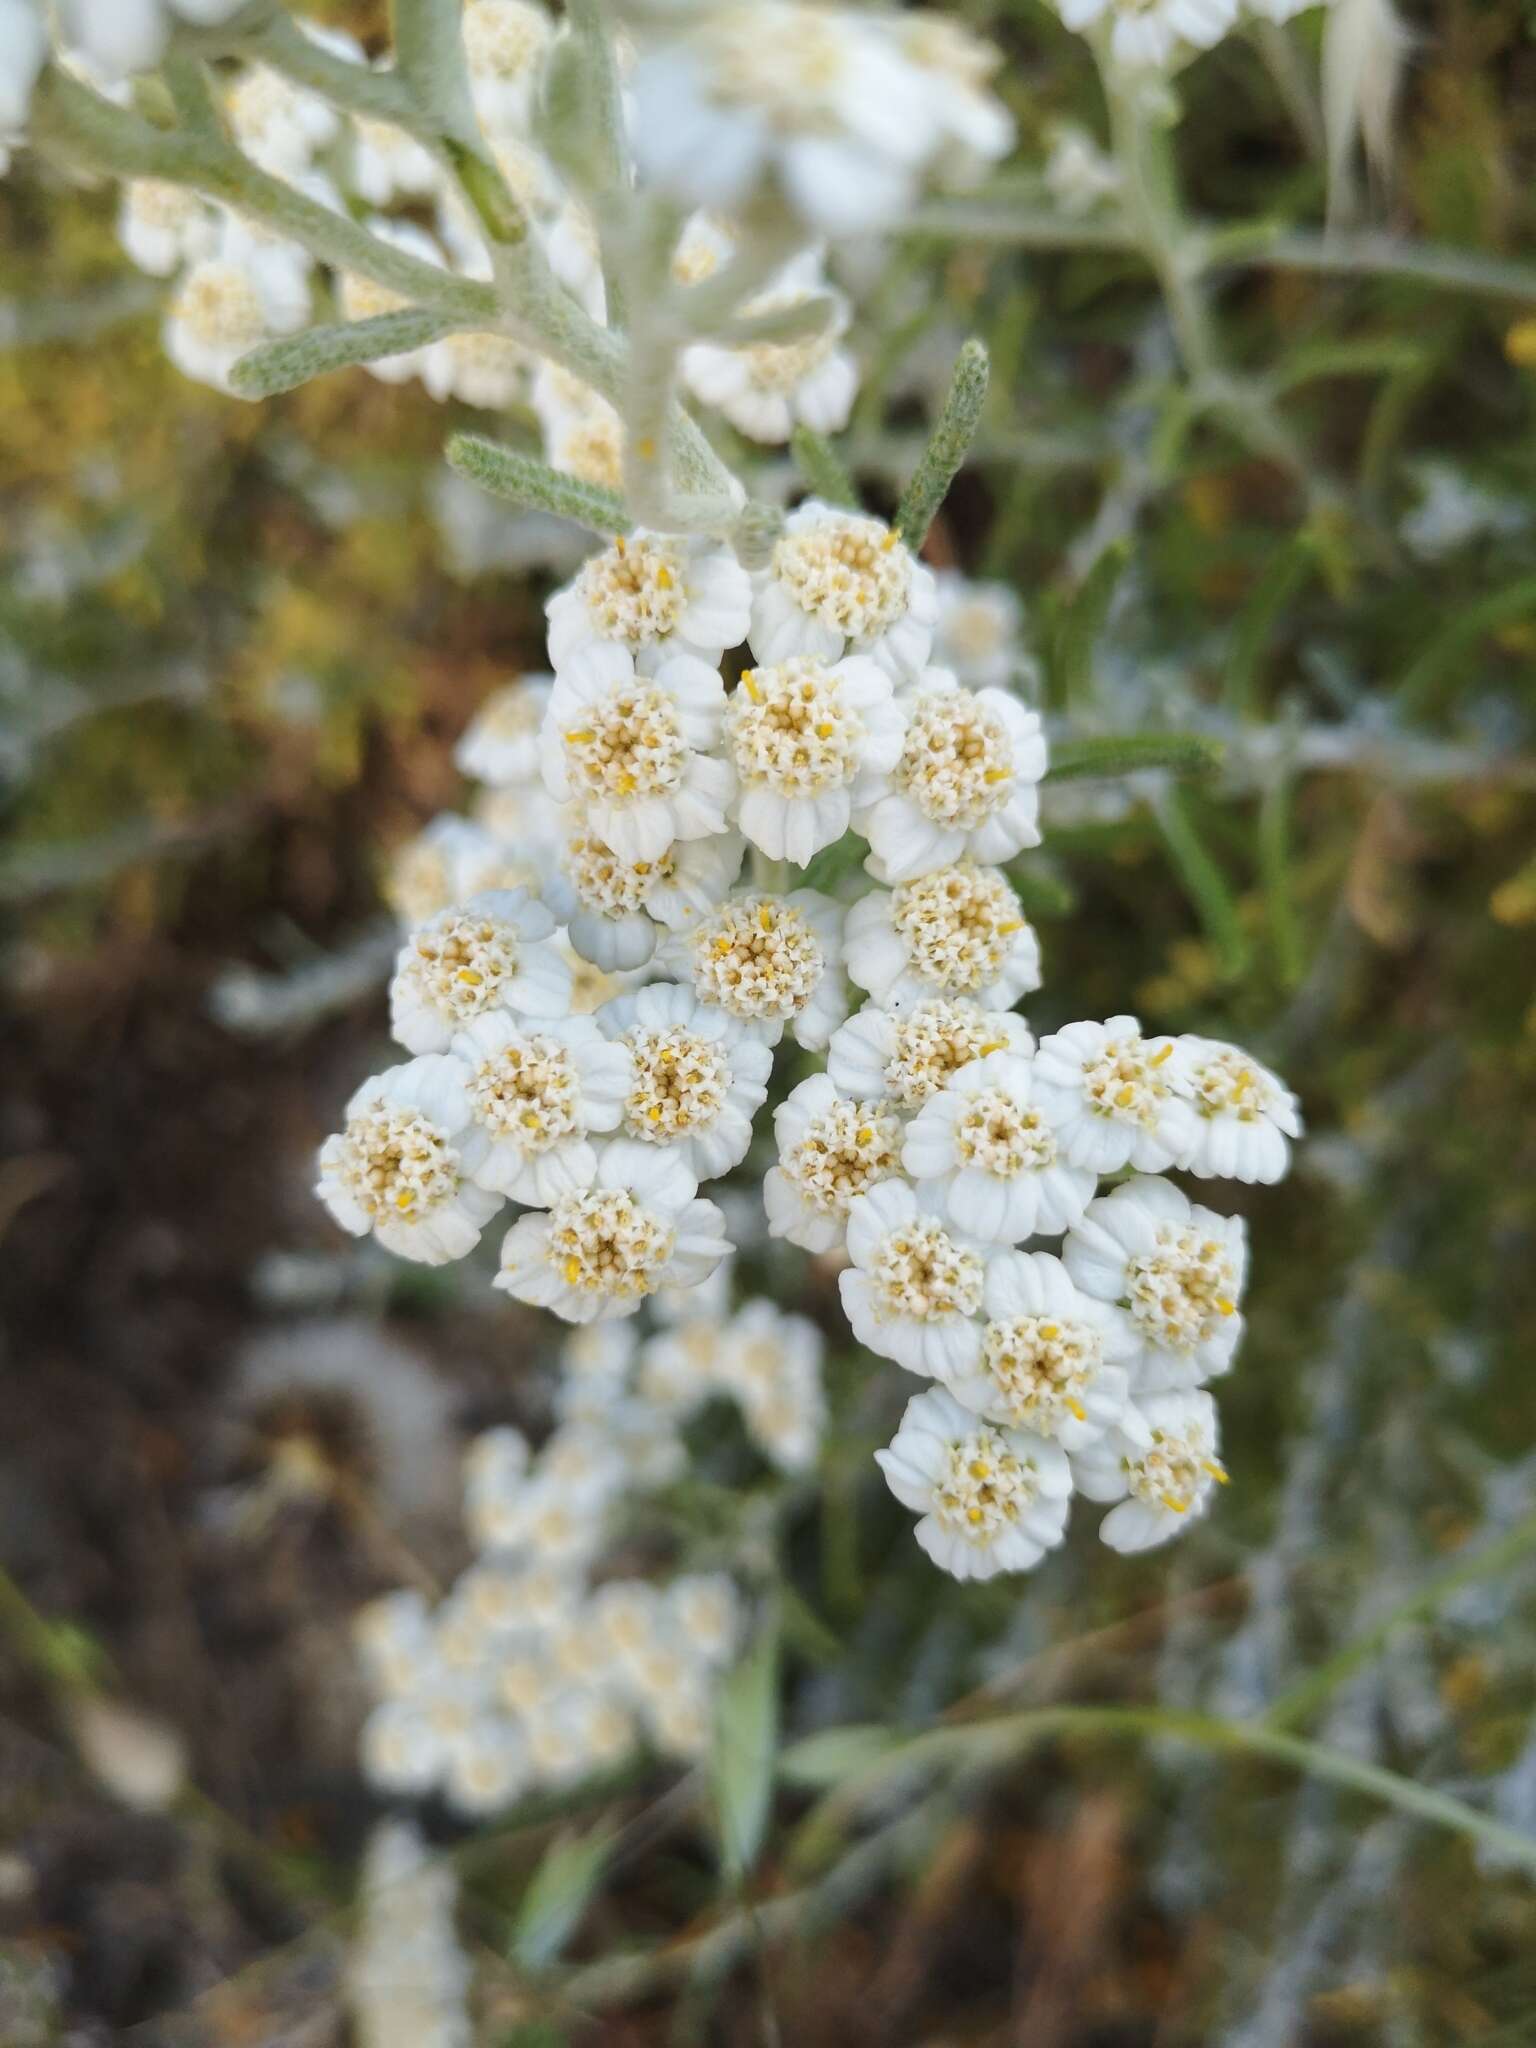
1285, 935
1445, 663
822, 467
1284, 576
1204, 882
1080, 623
821, 1762
529, 482
558, 1894
948, 445
284, 365
1129, 753
741, 1764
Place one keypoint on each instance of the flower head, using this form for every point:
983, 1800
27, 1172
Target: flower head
770, 961
767, 388
614, 907
964, 784
496, 953
1149, 33
398, 1168
915, 1285
804, 735
1160, 1463
1244, 1114
636, 750
977, 633
991, 1500
910, 1053
505, 43
537, 1090
832, 1148
1053, 1360
1175, 1267
956, 932
697, 1076
653, 595
162, 226
990, 1155
223, 309
602, 1248
500, 745
1115, 1098
838, 583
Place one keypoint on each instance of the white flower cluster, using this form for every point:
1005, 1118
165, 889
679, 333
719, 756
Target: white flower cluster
530, 1675
408, 1980
1151, 33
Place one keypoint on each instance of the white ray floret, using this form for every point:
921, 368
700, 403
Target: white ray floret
697, 1076
957, 67
616, 909
1160, 1463
223, 308
815, 98
398, 1167
991, 1500
1176, 1268
363, 298
772, 1363
1149, 34
909, 1054
965, 783
978, 633
772, 962
832, 1148
1244, 1114
990, 1154
841, 582
538, 1090
637, 752
1114, 1097
769, 387
505, 43
809, 739
652, 594
915, 1287
959, 931
163, 226
1053, 1360
500, 745
599, 1251
496, 953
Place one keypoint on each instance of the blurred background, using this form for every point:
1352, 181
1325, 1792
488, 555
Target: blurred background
237, 645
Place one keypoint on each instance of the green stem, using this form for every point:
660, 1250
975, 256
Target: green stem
1303, 1698
429, 58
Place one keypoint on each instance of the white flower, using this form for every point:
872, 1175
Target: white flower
915, 1286
537, 1090
772, 1363
583, 435
680, 1368
223, 309
118, 37
653, 595
477, 368
710, 1301
398, 1167
162, 226
447, 863
841, 582
1115, 1098
704, 1609
1244, 1114
1160, 1463
279, 124
808, 740
575, 252
959, 931
400, 1749
977, 634
832, 1148
627, 1618
393, 1637
595, 1363
613, 907
364, 299
23, 47
823, 99
1053, 1360
957, 67
1176, 1267
769, 961
910, 1053
601, 1250
1079, 176
635, 750
488, 1768
964, 785
1150, 32
768, 387
988, 1151
991, 1500
387, 163
500, 745
697, 1077
496, 953
505, 43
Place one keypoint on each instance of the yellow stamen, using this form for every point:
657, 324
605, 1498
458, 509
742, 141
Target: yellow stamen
764, 918
1165, 1053
995, 775
654, 1112
646, 449
1126, 1097
572, 1272
1219, 1473
992, 1045
1076, 1408
468, 974
979, 1469
1049, 1331
642, 867
889, 542
664, 577
749, 684
580, 737
825, 731
405, 1199
866, 1134
626, 785
1227, 1308
1014, 925
1173, 1504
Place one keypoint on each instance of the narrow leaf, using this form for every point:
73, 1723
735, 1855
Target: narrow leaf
948, 445
1285, 936
1179, 753
1434, 676
1281, 580
284, 365
821, 1762
742, 1762
529, 482
558, 1894
1206, 885
1082, 622
822, 467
